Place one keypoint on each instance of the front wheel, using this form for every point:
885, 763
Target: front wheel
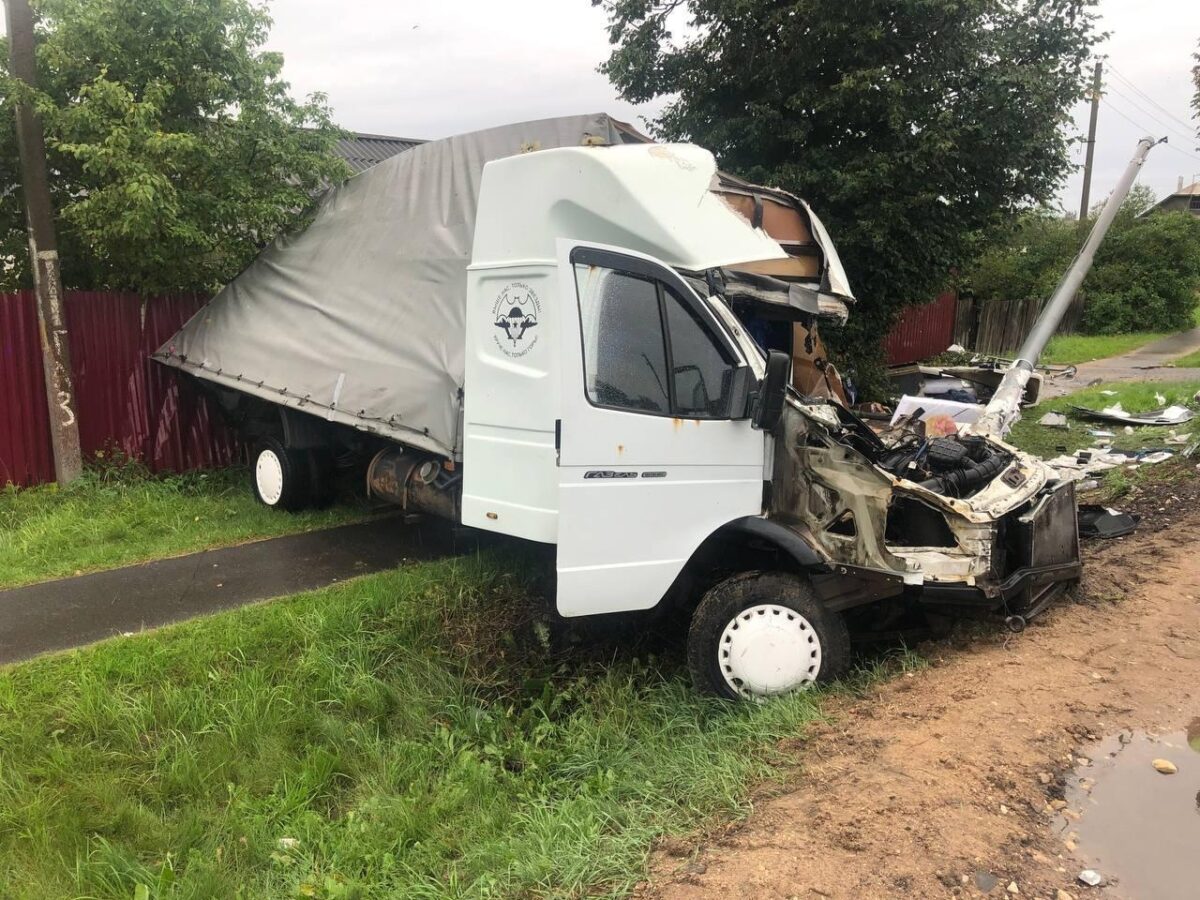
764, 634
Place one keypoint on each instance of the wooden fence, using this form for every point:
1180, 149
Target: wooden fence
999, 327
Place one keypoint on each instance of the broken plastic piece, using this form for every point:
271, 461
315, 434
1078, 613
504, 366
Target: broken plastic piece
1171, 415
1091, 878
1054, 420
1101, 522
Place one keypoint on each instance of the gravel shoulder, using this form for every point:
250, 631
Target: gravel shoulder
950, 771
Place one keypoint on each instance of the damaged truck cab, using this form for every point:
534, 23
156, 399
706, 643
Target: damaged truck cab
602, 360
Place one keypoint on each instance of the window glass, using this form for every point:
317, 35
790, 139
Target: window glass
700, 369
624, 355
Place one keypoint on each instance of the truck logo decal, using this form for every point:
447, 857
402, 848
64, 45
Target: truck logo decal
516, 311
609, 473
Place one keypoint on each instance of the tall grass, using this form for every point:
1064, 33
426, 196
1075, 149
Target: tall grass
394, 736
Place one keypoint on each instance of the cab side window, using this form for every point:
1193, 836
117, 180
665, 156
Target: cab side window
645, 349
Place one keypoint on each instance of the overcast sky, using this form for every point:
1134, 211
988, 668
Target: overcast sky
426, 69
417, 68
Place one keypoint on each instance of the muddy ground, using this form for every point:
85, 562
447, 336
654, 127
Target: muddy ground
945, 781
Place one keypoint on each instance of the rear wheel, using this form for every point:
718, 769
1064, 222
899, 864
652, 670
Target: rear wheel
764, 634
281, 478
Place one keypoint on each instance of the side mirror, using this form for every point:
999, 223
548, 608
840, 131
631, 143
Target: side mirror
768, 402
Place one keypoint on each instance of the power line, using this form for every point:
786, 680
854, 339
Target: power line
1144, 129
1187, 135
1151, 100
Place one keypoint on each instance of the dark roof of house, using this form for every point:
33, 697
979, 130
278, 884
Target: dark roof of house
361, 151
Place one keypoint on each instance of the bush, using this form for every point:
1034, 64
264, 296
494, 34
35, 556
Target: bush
1146, 276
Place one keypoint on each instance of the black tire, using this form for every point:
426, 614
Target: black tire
775, 594
281, 478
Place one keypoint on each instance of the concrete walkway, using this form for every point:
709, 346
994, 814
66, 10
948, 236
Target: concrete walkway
71, 612
1151, 362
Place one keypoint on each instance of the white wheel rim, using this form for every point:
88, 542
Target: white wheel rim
768, 650
268, 475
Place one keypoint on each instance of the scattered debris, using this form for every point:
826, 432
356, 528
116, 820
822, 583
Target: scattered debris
1101, 522
1171, 415
1173, 438
1160, 399
928, 407
1091, 878
288, 843
1156, 456
1164, 767
1101, 433
1054, 420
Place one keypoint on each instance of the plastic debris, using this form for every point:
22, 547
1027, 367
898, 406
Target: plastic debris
1101, 433
1171, 415
1054, 420
1102, 522
1160, 399
1091, 878
1156, 457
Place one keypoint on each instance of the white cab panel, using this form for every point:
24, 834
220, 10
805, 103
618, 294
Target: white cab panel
639, 487
510, 481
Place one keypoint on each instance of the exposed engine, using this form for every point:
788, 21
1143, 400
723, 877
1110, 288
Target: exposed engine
956, 466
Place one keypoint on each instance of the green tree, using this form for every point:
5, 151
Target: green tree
912, 125
175, 148
1146, 275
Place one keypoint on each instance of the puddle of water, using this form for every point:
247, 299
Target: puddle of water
1137, 825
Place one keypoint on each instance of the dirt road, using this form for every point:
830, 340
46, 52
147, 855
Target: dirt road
937, 784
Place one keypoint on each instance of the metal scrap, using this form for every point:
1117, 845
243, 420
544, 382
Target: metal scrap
1171, 415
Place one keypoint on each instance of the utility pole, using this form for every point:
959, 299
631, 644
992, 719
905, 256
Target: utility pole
1091, 143
43, 251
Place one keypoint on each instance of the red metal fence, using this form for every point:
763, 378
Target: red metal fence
922, 331
124, 400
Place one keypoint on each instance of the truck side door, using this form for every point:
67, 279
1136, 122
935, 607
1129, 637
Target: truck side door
652, 456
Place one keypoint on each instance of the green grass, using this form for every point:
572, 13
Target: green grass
118, 516
396, 729
1134, 397
1190, 361
1072, 349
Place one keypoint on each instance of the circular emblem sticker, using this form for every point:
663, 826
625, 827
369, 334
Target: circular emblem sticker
516, 313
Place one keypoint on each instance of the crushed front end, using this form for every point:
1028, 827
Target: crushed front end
948, 521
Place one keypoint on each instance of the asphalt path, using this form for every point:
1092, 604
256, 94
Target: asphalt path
71, 612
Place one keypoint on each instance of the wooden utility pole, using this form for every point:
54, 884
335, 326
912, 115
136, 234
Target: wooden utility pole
43, 251
1091, 144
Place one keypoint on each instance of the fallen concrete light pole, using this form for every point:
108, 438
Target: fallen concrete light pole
1003, 409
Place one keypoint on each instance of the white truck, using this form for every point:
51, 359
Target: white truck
555, 331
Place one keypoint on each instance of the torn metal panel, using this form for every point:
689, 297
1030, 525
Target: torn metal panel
1171, 415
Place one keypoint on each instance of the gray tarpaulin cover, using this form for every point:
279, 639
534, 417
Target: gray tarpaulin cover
360, 317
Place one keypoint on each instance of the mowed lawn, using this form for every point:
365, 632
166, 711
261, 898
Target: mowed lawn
403, 735
118, 516
1072, 349
1134, 397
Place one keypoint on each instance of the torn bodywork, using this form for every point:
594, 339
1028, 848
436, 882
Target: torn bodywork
951, 515
947, 521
